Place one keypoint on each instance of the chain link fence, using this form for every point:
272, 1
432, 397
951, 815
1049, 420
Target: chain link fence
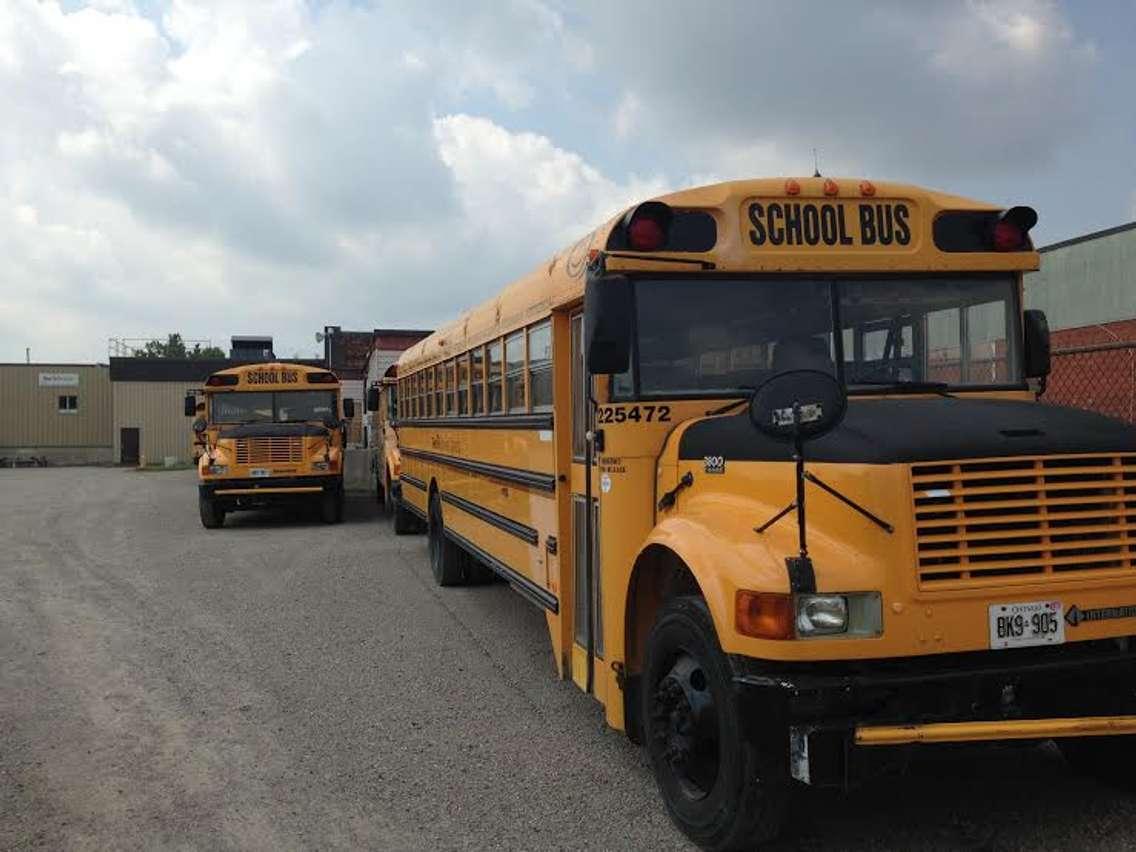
1100, 377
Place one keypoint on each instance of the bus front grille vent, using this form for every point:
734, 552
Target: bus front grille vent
270, 450
1020, 520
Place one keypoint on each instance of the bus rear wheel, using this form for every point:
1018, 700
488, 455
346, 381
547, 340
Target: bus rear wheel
720, 788
212, 515
447, 560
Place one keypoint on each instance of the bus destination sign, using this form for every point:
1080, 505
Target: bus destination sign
782, 223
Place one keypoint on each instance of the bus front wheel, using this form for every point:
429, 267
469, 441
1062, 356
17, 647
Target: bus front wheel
212, 515
331, 506
405, 523
722, 788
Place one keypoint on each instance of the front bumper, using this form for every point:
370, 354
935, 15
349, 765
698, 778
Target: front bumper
261, 491
838, 714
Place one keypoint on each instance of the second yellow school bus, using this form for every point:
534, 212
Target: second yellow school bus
588, 435
271, 434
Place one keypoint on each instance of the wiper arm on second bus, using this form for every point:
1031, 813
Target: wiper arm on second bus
737, 403
907, 386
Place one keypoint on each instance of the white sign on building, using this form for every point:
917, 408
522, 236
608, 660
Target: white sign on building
59, 380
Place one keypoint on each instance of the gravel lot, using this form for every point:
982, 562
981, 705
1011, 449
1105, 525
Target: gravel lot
280, 684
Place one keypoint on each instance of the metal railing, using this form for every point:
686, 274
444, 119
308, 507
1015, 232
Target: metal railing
1100, 377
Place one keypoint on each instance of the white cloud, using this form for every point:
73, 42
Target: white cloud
222, 167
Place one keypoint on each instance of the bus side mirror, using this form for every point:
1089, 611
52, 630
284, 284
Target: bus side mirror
1036, 344
348, 408
608, 319
190, 405
372, 399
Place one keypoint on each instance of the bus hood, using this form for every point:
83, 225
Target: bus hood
891, 430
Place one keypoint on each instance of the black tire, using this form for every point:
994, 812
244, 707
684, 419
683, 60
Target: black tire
405, 521
331, 506
212, 515
447, 561
724, 789
1107, 759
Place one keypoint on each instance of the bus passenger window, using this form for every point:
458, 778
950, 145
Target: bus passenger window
463, 385
448, 370
496, 401
438, 398
477, 389
428, 393
540, 366
515, 372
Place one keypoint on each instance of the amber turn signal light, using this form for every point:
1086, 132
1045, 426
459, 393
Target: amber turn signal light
764, 615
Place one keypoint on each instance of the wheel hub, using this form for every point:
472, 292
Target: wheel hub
685, 726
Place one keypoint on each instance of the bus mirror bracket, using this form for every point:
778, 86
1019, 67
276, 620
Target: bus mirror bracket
607, 322
794, 407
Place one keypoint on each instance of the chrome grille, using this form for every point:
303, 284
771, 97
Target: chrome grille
270, 450
1020, 520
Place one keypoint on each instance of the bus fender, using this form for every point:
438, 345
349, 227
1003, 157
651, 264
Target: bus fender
683, 555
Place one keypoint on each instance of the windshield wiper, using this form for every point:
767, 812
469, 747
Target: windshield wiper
737, 403
907, 386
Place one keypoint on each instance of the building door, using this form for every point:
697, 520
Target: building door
129, 442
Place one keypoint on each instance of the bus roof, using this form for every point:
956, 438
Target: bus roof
273, 375
559, 281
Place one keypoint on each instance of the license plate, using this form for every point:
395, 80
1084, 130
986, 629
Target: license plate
260, 471
1018, 625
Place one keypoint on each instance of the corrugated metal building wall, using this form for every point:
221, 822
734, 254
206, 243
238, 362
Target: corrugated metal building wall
1086, 281
156, 410
35, 421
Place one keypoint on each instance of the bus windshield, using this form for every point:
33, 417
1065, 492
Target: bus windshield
272, 407
724, 337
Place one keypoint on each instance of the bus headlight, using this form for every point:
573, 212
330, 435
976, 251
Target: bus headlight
820, 615
854, 614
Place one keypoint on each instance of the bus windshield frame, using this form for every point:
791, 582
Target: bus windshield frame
893, 327
274, 406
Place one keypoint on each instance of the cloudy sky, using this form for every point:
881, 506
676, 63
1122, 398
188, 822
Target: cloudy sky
217, 167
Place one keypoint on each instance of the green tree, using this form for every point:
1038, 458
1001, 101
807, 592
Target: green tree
174, 347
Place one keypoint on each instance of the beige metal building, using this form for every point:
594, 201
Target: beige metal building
149, 424
60, 413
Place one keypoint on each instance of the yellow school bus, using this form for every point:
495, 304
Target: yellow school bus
386, 462
270, 434
599, 435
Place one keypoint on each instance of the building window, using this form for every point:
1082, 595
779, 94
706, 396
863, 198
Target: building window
68, 404
515, 372
496, 403
540, 366
477, 390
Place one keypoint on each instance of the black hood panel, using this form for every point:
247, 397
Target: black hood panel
885, 431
